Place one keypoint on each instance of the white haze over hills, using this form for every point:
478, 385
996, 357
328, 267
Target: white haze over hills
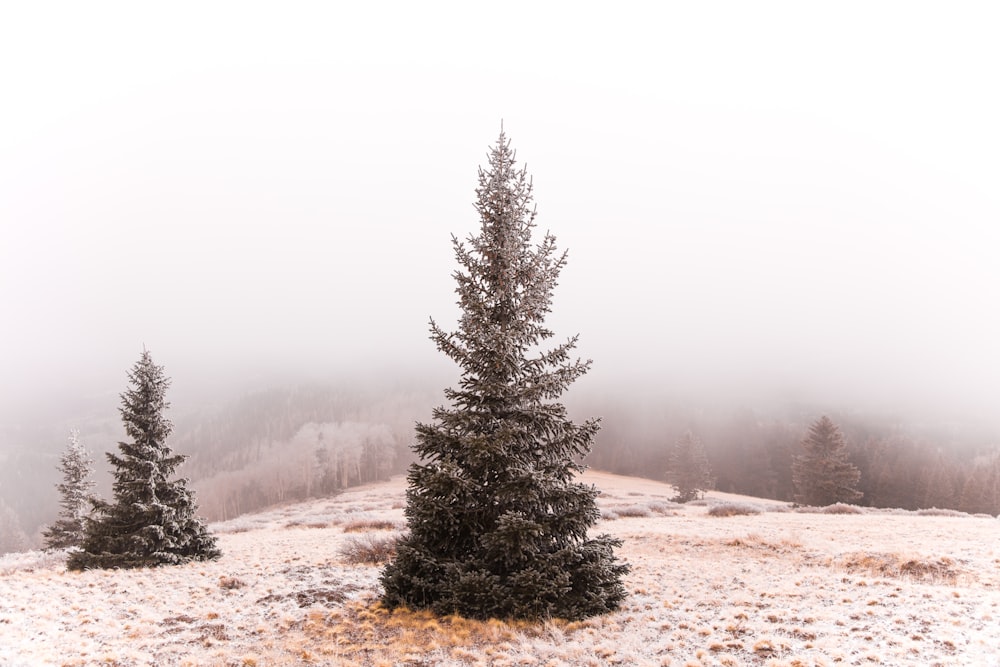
762, 202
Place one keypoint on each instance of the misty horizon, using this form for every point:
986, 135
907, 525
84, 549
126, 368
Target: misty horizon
753, 213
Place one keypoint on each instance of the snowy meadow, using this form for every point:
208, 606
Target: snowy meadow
723, 581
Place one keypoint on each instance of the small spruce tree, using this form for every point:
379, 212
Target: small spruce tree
76, 467
688, 469
497, 523
152, 519
12, 537
821, 473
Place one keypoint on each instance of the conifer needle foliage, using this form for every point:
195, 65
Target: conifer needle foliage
497, 523
152, 519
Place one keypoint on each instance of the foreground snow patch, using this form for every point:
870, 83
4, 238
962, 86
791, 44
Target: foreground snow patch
772, 588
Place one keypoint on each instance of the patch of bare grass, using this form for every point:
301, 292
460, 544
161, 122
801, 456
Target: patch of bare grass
641, 510
758, 543
631, 512
367, 525
666, 508
325, 597
934, 511
780, 509
842, 508
934, 570
733, 509
836, 508
298, 523
368, 633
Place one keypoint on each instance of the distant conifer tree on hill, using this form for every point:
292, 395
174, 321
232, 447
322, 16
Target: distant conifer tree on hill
497, 524
152, 519
76, 467
688, 470
821, 472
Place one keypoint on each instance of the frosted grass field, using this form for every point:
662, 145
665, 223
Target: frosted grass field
769, 587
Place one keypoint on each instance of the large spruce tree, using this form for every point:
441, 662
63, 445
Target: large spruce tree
497, 523
821, 473
75, 465
152, 520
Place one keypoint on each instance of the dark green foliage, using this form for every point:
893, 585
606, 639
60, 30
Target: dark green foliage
821, 472
497, 524
688, 469
75, 465
152, 520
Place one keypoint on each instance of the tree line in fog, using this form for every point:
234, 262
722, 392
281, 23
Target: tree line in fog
751, 453
284, 445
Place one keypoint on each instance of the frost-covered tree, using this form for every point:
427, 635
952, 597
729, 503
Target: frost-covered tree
76, 467
12, 537
497, 523
981, 491
152, 520
821, 472
688, 469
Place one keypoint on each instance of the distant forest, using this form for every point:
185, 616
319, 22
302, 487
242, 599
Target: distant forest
902, 465
284, 445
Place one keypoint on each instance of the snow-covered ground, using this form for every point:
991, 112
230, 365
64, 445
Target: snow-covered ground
775, 588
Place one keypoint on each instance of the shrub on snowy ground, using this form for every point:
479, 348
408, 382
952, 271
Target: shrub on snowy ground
665, 508
369, 549
733, 509
934, 511
640, 510
841, 508
632, 511
837, 508
372, 524
778, 508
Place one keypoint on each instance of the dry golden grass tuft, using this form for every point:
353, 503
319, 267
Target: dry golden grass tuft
296, 523
934, 570
756, 542
733, 509
841, 508
369, 549
366, 632
630, 512
370, 524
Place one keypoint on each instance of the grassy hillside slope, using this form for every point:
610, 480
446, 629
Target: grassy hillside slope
709, 586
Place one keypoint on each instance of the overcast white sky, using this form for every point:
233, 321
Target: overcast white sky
757, 197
